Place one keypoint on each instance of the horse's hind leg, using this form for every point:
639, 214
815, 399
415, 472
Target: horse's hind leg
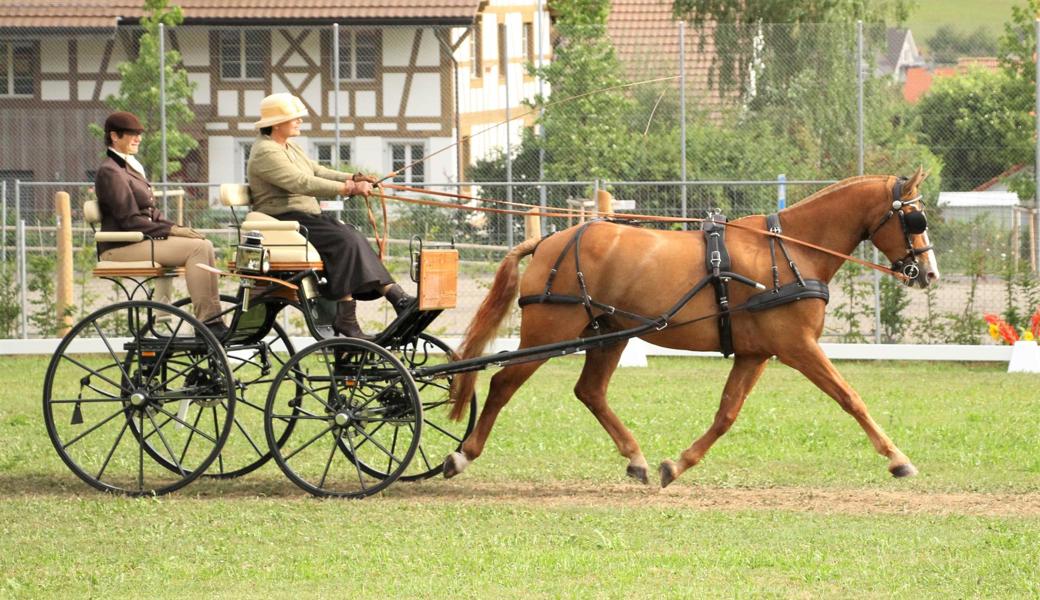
815, 365
503, 385
591, 389
742, 377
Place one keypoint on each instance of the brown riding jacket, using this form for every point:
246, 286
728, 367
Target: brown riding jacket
126, 202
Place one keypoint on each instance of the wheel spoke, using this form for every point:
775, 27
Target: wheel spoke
328, 463
191, 435
182, 422
375, 443
162, 438
356, 461
422, 453
249, 438
112, 450
97, 373
110, 351
166, 348
216, 433
121, 410
308, 443
442, 430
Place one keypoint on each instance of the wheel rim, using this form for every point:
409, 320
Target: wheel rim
124, 386
358, 406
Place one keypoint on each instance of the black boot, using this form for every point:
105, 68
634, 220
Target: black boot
346, 323
400, 299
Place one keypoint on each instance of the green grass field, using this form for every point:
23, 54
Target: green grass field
793, 502
965, 15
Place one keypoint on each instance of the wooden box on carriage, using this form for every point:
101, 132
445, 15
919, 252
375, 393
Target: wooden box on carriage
438, 278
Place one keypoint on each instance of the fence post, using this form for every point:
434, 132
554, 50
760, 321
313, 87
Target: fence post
162, 107
1036, 165
543, 200
860, 158
509, 161
604, 203
23, 288
3, 218
682, 115
532, 224
63, 208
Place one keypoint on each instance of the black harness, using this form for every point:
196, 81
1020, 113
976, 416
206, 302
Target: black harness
718, 264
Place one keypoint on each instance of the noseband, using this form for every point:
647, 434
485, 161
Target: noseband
912, 223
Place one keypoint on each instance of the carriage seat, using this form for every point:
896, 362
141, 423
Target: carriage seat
290, 250
115, 268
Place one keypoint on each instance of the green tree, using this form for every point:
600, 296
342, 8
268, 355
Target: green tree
587, 135
948, 44
968, 121
139, 92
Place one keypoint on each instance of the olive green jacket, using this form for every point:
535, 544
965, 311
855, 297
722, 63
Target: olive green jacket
284, 179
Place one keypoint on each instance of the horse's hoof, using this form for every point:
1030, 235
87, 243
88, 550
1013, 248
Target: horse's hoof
903, 470
638, 473
454, 464
668, 472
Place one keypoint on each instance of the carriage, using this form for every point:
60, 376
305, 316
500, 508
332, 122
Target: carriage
140, 397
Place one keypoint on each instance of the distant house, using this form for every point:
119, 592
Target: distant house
645, 34
919, 79
999, 208
900, 55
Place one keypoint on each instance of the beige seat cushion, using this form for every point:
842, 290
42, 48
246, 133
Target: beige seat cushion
130, 264
282, 238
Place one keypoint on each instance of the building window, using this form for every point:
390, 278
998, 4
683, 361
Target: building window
243, 150
17, 67
359, 54
242, 54
503, 53
528, 41
326, 151
476, 48
403, 157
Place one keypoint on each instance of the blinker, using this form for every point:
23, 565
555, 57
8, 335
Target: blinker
915, 222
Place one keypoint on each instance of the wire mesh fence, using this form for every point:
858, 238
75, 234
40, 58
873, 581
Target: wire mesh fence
673, 120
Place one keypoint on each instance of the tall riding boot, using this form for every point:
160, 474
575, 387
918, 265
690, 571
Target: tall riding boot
346, 323
400, 299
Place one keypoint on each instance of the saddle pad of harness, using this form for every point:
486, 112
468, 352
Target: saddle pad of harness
785, 294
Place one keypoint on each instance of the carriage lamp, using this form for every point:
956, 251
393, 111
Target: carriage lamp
252, 257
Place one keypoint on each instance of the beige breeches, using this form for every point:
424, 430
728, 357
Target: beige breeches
177, 252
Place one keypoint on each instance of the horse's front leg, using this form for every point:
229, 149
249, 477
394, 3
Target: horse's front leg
815, 365
742, 377
503, 385
591, 389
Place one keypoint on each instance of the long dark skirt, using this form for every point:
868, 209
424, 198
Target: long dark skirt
351, 266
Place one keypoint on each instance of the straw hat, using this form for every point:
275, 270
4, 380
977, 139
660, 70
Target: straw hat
279, 108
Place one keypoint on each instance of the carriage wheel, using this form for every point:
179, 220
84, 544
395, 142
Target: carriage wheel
441, 436
358, 406
134, 379
253, 366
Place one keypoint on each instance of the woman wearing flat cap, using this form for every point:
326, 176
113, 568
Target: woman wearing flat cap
125, 199
283, 183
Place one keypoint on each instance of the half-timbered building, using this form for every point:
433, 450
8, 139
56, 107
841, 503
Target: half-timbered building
413, 77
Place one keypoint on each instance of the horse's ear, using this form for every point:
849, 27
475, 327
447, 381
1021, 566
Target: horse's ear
915, 180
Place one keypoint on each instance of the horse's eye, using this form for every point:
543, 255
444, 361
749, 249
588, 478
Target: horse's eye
915, 222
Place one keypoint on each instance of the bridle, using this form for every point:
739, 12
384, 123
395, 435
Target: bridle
912, 223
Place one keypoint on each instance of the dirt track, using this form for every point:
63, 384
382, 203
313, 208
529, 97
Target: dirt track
819, 500
593, 495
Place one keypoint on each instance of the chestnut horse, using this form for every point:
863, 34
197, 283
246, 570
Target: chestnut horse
646, 271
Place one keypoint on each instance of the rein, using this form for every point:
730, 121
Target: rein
621, 216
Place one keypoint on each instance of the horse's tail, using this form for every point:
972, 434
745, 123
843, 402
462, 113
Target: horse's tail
484, 326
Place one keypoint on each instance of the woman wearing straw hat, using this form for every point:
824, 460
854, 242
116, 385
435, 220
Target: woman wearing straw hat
125, 199
283, 183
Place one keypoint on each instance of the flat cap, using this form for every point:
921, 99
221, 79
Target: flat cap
123, 121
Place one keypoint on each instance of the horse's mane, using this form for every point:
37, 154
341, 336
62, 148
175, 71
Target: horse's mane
840, 185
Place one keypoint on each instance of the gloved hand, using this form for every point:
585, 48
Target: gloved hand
186, 232
359, 176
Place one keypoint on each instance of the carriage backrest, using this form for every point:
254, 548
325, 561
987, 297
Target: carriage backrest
234, 194
91, 212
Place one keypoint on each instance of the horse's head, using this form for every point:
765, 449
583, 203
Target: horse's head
904, 239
